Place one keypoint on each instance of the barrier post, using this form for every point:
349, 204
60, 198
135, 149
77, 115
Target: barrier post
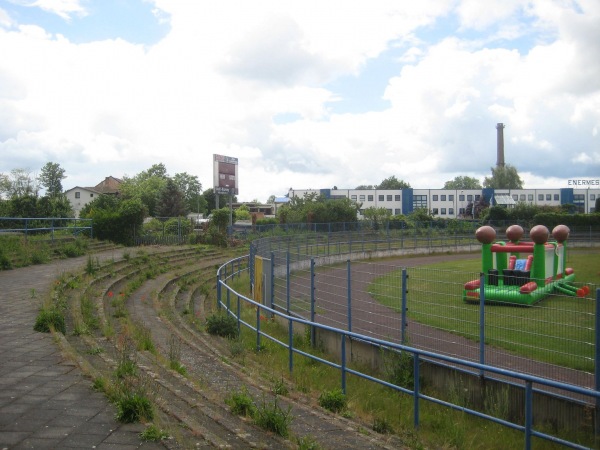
597, 364
218, 291
349, 295
258, 328
481, 320
528, 413
343, 364
404, 323
312, 302
416, 394
272, 281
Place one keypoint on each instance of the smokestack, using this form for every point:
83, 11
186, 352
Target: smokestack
500, 149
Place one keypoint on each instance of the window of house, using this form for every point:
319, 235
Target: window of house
443, 211
91, 194
389, 198
77, 194
477, 197
381, 198
451, 211
469, 198
530, 197
353, 197
443, 198
451, 198
434, 211
461, 198
515, 197
540, 197
361, 198
548, 197
461, 211
397, 211
435, 198
556, 197
522, 197
592, 196
396, 198
370, 198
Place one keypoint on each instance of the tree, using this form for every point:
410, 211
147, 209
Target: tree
51, 177
170, 201
463, 182
314, 208
271, 199
19, 183
210, 197
504, 177
191, 188
146, 186
392, 183
365, 187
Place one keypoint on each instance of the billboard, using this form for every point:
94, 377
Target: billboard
225, 173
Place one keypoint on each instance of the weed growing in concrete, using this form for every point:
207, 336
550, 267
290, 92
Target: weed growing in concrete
334, 400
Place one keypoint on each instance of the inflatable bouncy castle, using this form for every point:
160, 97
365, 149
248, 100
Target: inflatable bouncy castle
523, 272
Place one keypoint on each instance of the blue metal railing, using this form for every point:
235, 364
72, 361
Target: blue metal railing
509, 377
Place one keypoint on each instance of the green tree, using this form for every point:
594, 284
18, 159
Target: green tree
51, 177
115, 219
210, 197
393, 183
171, 202
146, 186
504, 177
314, 208
365, 187
191, 188
271, 200
57, 206
463, 182
18, 183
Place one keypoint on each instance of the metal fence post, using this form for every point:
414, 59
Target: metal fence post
404, 323
258, 328
218, 290
349, 295
528, 413
597, 361
272, 281
416, 394
312, 302
343, 364
481, 320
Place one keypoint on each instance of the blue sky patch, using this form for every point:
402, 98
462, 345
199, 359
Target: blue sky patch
131, 20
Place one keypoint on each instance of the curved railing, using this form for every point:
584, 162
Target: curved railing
233, 302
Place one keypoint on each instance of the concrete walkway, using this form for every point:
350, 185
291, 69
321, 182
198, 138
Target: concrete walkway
45, 401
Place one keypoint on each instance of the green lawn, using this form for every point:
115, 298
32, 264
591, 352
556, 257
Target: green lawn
559, 329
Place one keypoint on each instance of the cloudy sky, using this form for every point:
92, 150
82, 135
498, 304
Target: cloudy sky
306, 94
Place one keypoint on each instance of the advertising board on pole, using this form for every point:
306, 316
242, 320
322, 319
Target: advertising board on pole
225, 173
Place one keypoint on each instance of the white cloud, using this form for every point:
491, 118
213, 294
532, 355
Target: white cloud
225, 74
63, 8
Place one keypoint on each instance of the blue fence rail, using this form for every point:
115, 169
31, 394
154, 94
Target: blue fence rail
233, 301
32, 226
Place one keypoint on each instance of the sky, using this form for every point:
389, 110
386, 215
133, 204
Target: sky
306, 95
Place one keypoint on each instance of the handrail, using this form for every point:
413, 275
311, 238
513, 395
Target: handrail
529, 380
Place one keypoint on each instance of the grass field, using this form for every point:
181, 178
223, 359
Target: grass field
559, 329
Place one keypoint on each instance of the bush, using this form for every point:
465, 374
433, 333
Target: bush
49, 318
241, 403
334, 401
133, 407
271, 417
222, 325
